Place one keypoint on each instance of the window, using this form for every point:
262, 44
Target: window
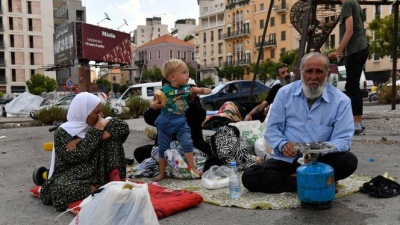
220, 34
158, 54
32, 58
212, 36
150, 56
377, 57
283, 19
30, 26
12, 43
262, 7
364, 15
261, 24
283, 51
158, 29
142, 30
204, 37
184, 55
272, 21
31, 41
283, 35
272, 56
10, 8
377, 11
179, 54
79, 15
13, 75
171, 54
11, 23
192, 56
32, 72
29, 7
13, 58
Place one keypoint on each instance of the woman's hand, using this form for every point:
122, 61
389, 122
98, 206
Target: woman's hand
101, 123
72, 144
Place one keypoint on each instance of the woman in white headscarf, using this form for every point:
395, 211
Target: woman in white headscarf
88, 153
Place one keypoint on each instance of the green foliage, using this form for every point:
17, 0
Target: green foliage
136, 105
230, 72
238, 72
261, 97
115, 87
188, 38
381, 38
266, 69
157, 74
40, 83
123, 88
152, 75
52, 114
1, 94
107, 110
208, 81
290, 58
104, 83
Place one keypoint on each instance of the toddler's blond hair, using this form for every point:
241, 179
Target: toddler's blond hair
170, 66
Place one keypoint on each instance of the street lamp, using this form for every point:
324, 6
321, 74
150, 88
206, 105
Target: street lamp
125, 23
107, 18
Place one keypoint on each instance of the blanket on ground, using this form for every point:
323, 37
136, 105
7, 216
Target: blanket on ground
253, 200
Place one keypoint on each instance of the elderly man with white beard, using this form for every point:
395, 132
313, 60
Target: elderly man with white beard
305, 111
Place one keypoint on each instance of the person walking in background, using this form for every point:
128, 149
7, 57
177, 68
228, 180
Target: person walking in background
259, 112
353, 48
305, 111
172, 123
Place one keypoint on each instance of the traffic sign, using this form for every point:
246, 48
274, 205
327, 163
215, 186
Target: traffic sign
69, 83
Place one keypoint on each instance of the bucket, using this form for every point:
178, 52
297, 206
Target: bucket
315, 186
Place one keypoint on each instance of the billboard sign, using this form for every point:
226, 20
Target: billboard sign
64, 44
105, 45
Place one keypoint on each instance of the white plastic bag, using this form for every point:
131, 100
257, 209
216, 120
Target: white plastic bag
119, 203
250, 131
262, 150
216, 177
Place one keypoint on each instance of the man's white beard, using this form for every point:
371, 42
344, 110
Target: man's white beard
313, 93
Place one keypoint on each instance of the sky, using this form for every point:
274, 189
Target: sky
135, 12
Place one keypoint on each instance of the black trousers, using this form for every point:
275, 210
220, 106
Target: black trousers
354, 64
274, 176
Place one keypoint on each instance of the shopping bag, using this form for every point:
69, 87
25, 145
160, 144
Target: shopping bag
250, 131
117, 203
216, 177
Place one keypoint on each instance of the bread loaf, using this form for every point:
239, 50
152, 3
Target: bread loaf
160, 97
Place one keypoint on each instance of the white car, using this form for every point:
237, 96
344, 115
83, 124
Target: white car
338, 79
145, 90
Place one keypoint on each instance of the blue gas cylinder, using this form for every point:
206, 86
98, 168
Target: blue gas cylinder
315, 185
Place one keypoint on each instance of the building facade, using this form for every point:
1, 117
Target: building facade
154, 53
152, 30
26, 42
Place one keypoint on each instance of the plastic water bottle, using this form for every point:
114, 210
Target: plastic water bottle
234, 181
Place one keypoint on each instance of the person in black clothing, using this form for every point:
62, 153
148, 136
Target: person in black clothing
195, 116
260, 111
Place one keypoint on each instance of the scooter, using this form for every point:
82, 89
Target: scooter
373, 96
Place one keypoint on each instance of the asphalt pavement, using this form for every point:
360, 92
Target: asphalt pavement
21, 148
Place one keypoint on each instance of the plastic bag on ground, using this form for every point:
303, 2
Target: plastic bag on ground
119, 203
216, 177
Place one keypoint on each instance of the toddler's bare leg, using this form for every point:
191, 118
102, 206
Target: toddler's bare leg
190, 162
162, 164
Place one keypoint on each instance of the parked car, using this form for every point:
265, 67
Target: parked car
363, 82
64, 102
145, 90
237, 91
5, 100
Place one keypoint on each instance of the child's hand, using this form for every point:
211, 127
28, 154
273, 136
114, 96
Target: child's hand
207, 91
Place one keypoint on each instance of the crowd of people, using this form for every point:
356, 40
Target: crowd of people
88, 149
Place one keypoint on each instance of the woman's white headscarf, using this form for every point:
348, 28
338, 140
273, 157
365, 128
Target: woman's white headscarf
81, 106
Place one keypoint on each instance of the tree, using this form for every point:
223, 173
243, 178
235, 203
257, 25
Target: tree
290, 58
104, 85
266, 69
115, 87
40, 83
157, 74
123, 88
192, 71
147, 74
381, 38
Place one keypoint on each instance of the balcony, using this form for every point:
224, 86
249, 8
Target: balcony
237, 4
242, 62
140, 62
207, 66
267, 44
283, 8
237, 34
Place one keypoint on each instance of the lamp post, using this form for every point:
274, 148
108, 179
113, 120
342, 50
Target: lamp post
125, 23
107, 18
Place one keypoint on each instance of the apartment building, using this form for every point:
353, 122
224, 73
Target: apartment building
152, 30
183, 28
26, 42
210, 43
